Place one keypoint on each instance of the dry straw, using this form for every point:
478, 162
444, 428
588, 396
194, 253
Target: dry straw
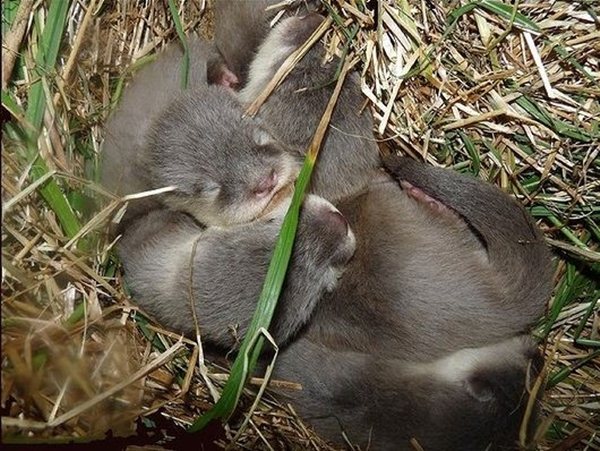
508, 92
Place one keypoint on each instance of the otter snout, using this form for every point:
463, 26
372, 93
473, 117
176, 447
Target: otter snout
267, 185
339, 221
333, 227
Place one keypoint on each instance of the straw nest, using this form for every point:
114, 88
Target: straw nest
507, 93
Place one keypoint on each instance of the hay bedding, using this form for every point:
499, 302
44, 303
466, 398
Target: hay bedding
485, 93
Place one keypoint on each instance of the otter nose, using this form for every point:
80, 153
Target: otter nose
337, 221
267, 184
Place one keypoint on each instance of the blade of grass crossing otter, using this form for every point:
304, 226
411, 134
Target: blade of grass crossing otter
253, 342
185, 63
141, 62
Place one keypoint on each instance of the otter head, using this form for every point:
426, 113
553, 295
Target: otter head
225, 168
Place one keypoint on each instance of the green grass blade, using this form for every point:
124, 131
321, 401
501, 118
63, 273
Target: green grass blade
9, 12
500, 9
457, 14
591, 309
565, 56
48, 47
118, 93
46, 59
49, 191
185, 64
562, 128
251, 346
56, 199
508, 12
15, 110
572, 285
561, 375
248, 356
470, 146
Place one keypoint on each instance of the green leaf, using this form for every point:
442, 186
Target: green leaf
185, 64
457, 14
12, 106
48, 47
562, 374
572, 285
56, 199
500, 9
472, 152
564, 55
77, 315
9, 12
541, 115
46, 59
508, 12
591, 309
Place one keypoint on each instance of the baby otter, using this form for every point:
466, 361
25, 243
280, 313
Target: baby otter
224, 168
401, 345
416, 254
469, 400
416, 339
229, 267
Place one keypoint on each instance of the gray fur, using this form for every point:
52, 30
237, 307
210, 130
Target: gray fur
291, 113
226, 168
386, 354
151, 91
229, 267
514, 244
217, 159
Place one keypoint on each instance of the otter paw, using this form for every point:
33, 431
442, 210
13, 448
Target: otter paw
424, 199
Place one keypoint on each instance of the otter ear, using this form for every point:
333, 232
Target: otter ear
217, 73
262, 137
226, 78
480, 388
